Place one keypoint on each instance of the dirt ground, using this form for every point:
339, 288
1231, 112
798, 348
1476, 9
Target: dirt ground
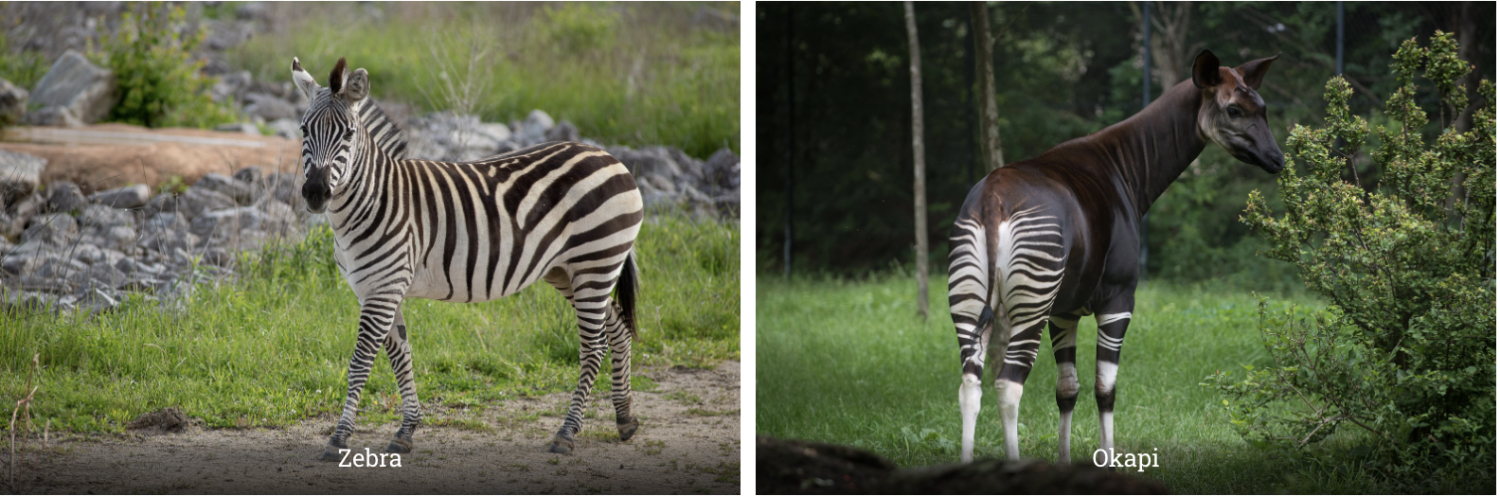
688, 443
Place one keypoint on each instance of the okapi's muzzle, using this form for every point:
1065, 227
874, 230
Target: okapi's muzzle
317, 189
1268, 157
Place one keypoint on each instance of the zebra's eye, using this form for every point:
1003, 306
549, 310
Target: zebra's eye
348, 134
1234, 111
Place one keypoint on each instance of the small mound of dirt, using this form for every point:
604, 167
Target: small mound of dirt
801, 467
169, 419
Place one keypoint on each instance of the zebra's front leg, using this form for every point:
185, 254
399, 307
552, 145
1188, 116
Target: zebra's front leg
620, 336
375, 319
1065, 350
1111, 337
591, 347
398, 349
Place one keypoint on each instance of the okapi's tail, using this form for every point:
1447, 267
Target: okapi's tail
625, 292
969, 281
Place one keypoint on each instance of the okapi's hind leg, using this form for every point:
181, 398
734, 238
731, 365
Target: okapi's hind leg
1111, 337
620, 336
973, 339
398, 350
1065, 350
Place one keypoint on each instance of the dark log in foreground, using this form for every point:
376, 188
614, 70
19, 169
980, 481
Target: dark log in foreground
801, 467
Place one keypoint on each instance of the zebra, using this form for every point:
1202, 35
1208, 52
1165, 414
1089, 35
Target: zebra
1051, 239
563, 212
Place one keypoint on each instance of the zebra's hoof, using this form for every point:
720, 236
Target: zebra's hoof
628, 428
331, 454
399, 445
561, 443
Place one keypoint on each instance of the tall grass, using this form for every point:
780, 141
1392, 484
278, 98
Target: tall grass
273, 348
849, 362
627, 73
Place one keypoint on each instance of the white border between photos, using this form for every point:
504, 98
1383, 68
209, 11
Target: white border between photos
747, 247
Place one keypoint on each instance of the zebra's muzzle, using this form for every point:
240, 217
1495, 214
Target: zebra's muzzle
316, 190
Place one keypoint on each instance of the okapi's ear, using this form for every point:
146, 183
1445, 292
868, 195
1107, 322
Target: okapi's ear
356, 86
336, 78
1206, 70
304, 81
1253, 71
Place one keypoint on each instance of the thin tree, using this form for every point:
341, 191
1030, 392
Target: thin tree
984, 45
918, 164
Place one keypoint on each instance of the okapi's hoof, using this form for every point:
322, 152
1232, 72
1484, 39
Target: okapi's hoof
628, 428
562, 442
399, 444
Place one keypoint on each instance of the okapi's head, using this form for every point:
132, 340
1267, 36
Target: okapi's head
1232, 113
330, 128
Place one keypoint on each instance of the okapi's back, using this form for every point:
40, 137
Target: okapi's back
535, 209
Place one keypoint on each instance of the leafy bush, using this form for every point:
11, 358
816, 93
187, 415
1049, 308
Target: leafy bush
158, 81
1407, 351
579, 27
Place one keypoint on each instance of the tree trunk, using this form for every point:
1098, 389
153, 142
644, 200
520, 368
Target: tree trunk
989, 126
918, 163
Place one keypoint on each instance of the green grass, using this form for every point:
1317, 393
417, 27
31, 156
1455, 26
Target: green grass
274, 347
634, 74
851, 363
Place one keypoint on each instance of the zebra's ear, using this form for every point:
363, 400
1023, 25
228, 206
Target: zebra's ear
356, 86
304, 81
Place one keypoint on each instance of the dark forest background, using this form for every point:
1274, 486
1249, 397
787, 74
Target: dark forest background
833, 98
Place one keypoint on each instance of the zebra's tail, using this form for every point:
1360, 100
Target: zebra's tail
625, 292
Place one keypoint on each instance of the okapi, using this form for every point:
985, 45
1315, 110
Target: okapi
1057, 237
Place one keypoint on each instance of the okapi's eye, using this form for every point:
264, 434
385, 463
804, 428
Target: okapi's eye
1234, 111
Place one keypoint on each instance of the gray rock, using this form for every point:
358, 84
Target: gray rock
24, 259
231, 85
120, 238
54, 229
648, 161
167, 242
249, 175
134, 196
57, 267
166, 222
54, 117
197, 200
506, 147
20, 174
239, 127
164, 202
64, 196
100, 217
228, 222
269, 107
534, 129
281, 218
76, 87
723, 170
564, 131
20, 213
236, 190
286, 128
12, 102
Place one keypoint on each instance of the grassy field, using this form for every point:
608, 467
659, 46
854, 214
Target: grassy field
274, 347
634, 74
850, 363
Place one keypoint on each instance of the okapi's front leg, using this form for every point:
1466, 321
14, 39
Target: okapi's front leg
1065, 351
375, 319
620, 336
398, 349
1111, 337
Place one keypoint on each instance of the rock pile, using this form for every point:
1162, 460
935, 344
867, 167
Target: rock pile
88, 251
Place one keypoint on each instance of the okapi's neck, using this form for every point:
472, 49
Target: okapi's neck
1147, 151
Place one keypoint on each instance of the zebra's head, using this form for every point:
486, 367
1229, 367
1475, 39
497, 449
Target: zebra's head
330, 129
1232, 113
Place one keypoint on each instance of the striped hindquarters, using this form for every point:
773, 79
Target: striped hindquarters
1028, 274
489, 228
968, 289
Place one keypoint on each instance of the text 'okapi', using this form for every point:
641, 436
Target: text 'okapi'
1056, 237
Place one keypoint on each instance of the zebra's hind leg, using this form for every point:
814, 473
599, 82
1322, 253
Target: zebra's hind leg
620, 336
398, 349
591, 302
375, 319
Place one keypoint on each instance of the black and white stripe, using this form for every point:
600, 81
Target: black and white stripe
566, 213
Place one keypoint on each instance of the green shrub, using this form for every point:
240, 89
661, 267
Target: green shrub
157, 79
579, 27
1407, 351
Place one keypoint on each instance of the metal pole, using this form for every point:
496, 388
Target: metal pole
1145, 100
1340, 50
786, 255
